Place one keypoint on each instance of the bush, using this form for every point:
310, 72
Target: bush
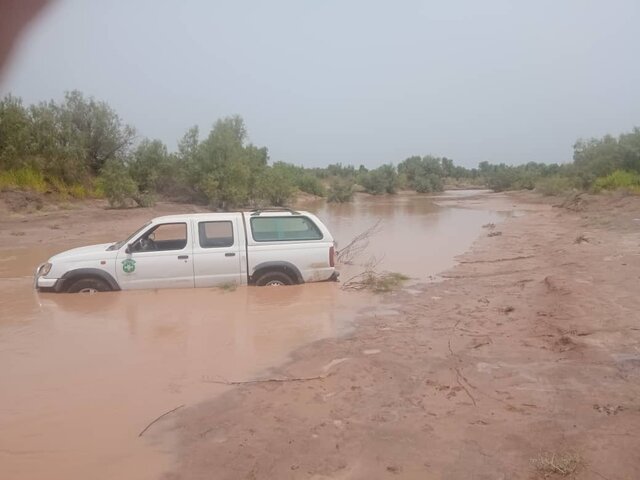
426, 174
554, 185
382, 180
78, 191
340, 190
310, 184
145, 199
620, 179
428, 183
502, 179
117, 185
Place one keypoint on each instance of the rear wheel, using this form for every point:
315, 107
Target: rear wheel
89, 285
274, 279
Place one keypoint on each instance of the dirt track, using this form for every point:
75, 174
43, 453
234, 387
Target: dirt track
529, 346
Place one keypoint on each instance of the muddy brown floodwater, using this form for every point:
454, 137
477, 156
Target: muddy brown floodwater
82, 376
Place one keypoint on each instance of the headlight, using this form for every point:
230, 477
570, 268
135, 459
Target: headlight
44, 269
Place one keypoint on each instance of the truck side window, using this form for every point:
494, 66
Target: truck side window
166, 236
215, 234
283, 229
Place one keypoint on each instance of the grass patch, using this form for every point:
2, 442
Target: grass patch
387, 282
619, 180
553, 463
28, 178
65, 190
228, 286
23, 178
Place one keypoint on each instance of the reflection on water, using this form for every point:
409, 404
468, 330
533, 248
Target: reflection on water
81, 376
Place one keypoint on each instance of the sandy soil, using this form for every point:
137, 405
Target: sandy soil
529, 348
59, 223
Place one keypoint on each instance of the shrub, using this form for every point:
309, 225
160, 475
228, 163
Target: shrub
145, 199
425, 174
117, 185
96, 190
310, 184
78, 191
428, 183
554, 185
340, 190
620, 179
382, 180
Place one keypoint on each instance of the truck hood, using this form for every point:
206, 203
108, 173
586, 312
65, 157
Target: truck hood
84, 253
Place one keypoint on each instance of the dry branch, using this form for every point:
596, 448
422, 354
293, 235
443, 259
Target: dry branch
358, 245
508, 259
271, 380
158, 418
563, 464
370, 279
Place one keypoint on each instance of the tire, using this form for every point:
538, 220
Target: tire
274, 279
89, 285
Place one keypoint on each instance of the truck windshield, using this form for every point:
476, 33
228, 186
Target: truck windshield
119, 244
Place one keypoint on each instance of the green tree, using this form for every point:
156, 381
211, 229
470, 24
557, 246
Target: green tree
148, 162
225, 168
276, 185
96, 128
15, 133
426, 174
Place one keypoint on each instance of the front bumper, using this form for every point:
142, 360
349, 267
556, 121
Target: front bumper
43, 283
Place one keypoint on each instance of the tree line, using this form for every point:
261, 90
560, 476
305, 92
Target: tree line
80, 147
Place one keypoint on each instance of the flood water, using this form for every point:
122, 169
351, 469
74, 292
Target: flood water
82, 375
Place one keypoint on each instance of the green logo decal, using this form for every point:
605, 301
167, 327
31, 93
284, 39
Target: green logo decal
128, 265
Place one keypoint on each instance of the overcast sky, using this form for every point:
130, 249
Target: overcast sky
356, 81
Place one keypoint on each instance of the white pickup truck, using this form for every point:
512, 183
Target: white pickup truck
263, 247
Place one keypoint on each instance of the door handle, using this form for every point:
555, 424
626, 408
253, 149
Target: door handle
183, 257
229, 254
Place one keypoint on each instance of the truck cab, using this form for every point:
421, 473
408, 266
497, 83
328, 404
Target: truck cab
261, 247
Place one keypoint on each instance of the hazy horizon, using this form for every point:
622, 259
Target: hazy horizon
364, 83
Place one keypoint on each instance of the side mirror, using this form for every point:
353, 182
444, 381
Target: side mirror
129, 249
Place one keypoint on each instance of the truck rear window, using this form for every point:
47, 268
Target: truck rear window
283, 229
215, 234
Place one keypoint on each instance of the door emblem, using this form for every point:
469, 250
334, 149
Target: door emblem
128, 265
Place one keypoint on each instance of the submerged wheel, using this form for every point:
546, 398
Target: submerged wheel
274, 279
89, 285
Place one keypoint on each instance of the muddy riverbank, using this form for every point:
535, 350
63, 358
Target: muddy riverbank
523, 364
84, 375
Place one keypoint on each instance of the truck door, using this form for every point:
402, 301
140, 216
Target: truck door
160, 258
218, 250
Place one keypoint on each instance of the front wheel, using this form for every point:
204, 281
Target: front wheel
89, 285
274, 279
